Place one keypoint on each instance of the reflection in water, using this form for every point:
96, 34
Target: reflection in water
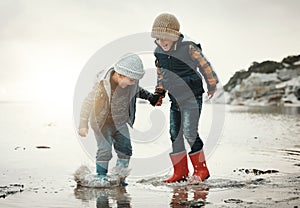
104, 197
181, 197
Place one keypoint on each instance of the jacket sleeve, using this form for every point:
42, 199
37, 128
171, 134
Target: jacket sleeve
159, 85
205, 68
87, 105
144, 94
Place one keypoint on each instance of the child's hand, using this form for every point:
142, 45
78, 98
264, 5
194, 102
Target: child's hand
154, 99
159, 102
210, 94
83, 132
160, 91
161, 94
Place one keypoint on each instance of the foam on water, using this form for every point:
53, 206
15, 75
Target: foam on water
86, 178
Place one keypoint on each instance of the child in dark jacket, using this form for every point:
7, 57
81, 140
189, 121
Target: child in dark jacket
109, 107
178, 65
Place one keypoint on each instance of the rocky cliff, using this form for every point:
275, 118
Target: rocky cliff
266, 83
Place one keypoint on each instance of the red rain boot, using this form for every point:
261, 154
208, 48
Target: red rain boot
181, 171
200, 168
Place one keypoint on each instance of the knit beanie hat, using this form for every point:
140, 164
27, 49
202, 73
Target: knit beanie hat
130, 66
166, 26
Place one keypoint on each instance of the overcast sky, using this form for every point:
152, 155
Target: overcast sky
45, 44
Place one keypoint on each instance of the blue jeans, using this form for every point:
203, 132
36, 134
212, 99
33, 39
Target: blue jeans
184, 121
118, 137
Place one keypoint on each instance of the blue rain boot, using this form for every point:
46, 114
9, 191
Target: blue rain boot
122, 163
101, 169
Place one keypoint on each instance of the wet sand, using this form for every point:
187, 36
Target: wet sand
255, 163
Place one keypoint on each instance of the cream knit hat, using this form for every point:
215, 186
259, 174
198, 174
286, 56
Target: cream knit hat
166, 26
130, 66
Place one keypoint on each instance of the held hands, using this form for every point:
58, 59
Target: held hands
159, 102
154, 99
83, 132
162, 94
157, 97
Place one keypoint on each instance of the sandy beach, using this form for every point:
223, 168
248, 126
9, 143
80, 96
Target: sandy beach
255, 162
52, 53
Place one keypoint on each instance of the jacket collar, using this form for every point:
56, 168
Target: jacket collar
106, 81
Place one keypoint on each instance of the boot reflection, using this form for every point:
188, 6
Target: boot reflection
102, 201
123, 199
104, 197
200, 193
181, 195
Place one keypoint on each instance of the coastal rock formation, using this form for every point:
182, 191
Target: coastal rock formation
266, 83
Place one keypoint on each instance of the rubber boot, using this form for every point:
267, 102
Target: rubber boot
101, 169
181, 171
200, 168
122, 163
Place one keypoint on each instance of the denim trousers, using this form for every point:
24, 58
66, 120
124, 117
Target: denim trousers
116, 136
184, 121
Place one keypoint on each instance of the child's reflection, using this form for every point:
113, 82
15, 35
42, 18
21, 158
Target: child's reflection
104, 197
180, 197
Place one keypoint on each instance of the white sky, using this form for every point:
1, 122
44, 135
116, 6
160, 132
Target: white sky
45, 44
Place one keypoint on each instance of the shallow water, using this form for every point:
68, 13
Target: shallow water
253, 139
